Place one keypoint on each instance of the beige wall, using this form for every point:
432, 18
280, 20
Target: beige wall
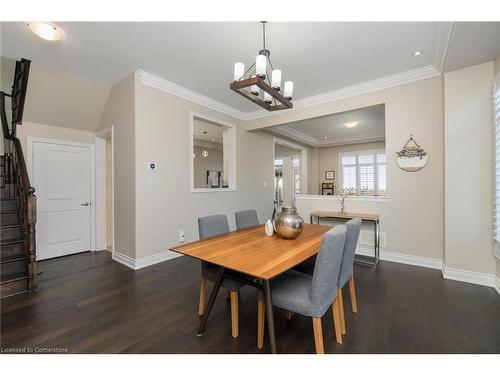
168, 205
469, 169
119, 112
413, 217
213, 161
31, 129
329, 158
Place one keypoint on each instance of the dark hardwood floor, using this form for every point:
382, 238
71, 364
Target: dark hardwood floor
87, 303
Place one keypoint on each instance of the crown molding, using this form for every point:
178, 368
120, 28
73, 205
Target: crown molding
444, 38
182, 92
394, 80
409, 76
297, 135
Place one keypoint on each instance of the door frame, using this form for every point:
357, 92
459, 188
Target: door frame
30, 151
100, 139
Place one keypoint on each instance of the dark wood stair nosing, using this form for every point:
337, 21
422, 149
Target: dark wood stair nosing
14, 278
11, 241
15, 258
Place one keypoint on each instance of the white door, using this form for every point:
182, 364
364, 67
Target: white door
62, 179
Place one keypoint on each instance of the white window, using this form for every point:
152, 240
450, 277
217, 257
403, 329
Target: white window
363, 173
496, 208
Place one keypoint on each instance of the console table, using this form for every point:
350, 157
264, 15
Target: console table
374, 218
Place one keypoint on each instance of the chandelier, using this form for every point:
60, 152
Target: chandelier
257, 85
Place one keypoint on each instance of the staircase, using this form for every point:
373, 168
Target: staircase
17, 199
13, 254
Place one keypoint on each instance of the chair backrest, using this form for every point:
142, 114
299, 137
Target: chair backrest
246, 219
351, 241
326, 270
211, 226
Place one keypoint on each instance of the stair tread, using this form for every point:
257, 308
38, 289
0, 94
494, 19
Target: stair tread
9, 212
10, 226
12, 258
11, 241
14, 277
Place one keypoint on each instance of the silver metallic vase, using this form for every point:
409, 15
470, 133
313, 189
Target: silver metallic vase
288, 223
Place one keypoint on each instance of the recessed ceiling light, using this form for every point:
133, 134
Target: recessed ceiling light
45, 30
351, 124
325, 137
417, 53
213, 139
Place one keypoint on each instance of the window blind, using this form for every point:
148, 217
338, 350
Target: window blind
364, 173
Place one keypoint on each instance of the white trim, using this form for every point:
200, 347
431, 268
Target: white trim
182, 92
123, 259
146, 261
409, 76
299, 136
469, 276
232, 152
30, 143
104, 134
361, 198
497, 285
412, 260
445, 36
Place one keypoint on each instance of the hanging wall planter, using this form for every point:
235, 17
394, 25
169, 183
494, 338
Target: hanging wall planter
412, 157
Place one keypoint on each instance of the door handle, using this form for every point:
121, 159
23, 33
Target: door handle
85, 204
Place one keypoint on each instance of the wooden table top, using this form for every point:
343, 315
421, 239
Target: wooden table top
345, 215
251, 252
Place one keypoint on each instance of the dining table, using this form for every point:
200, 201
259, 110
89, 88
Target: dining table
252, 257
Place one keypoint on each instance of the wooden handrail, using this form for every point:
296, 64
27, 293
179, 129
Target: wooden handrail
17, 172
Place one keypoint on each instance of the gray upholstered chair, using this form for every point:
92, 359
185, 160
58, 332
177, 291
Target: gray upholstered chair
346, 269
246, 219
211, 226
311, 295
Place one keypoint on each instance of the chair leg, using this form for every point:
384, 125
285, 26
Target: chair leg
352, 292
261, 318
203, 287
288, 314
318, 335
234, 314
336, 321
341, 310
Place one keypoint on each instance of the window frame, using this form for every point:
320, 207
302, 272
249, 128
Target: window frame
356, 154
231, 135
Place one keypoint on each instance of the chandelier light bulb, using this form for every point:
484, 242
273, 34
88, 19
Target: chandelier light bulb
254, 89
276, 79
239, 70
268, 98
288, 90
260, 66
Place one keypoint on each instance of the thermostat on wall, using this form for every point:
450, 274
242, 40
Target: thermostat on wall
152, 165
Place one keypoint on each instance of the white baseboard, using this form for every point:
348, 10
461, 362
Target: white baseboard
469, 276
413, 260
497, 285
137, 264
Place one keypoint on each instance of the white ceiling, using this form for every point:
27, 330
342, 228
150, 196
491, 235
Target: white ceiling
317, 56
370, 128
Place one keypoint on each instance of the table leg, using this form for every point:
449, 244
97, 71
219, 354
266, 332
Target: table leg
269, 315
211, 300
